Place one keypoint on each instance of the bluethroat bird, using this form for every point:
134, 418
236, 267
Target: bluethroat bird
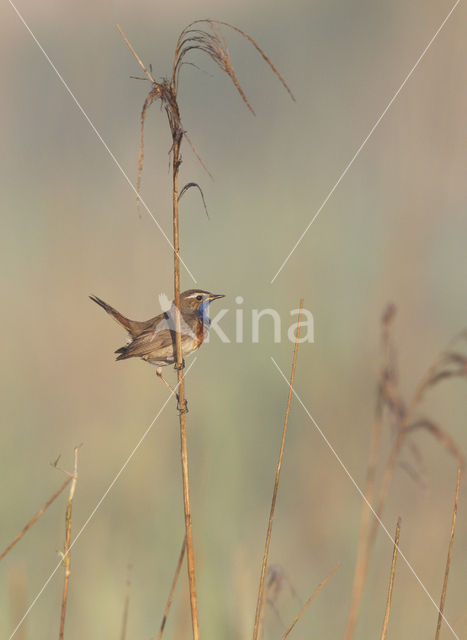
153, 340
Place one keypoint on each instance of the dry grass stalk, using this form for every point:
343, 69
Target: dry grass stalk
405, 420
260, 599
448, 559
391, 580
35, 518
309, 601
361, 565
146, 104
211, 42
172, 589
66, 546
363, 557
181, 395
126, 606
168, 95
262, 613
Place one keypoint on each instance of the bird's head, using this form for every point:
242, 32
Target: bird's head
197, 300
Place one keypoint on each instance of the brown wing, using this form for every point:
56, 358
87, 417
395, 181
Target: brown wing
157, 344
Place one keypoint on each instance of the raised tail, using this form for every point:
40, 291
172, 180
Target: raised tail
129, 325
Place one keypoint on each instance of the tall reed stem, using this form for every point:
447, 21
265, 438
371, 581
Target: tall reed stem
181, 396
67, 546
448, 559
260, 599
172, 589
384, 631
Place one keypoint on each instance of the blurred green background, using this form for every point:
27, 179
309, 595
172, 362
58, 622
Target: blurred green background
394, 230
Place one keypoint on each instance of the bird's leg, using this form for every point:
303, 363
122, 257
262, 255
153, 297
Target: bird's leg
172, 391
162, 379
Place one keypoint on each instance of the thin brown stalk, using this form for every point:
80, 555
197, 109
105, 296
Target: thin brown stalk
168, 94
66, 546
386, 484
265, 600
199, 158
391, 580
260, 603
448, 559
130, 46
35, 518
172, 589
181, 396
126, 606
147, 102
362, 562
309, 601
362, 570
373, 530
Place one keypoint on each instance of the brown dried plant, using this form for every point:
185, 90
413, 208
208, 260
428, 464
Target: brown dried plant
211, 42
448, 558
260, 603
406, 419
391, 580
206, 37
67, 545
172, 589
35, 518
309, 601
268, 587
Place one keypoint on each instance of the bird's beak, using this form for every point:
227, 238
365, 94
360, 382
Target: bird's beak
215, 296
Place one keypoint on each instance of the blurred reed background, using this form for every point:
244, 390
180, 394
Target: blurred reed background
394, 230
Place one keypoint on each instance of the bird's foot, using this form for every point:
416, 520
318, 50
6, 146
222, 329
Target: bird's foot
179, 367
181, 409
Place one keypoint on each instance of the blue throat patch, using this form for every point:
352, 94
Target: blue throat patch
203, 312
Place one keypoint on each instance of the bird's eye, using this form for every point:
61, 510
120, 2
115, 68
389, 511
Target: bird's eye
199, 297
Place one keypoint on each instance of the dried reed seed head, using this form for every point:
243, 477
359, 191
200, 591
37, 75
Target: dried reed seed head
448, 365
442, 436
214, 45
